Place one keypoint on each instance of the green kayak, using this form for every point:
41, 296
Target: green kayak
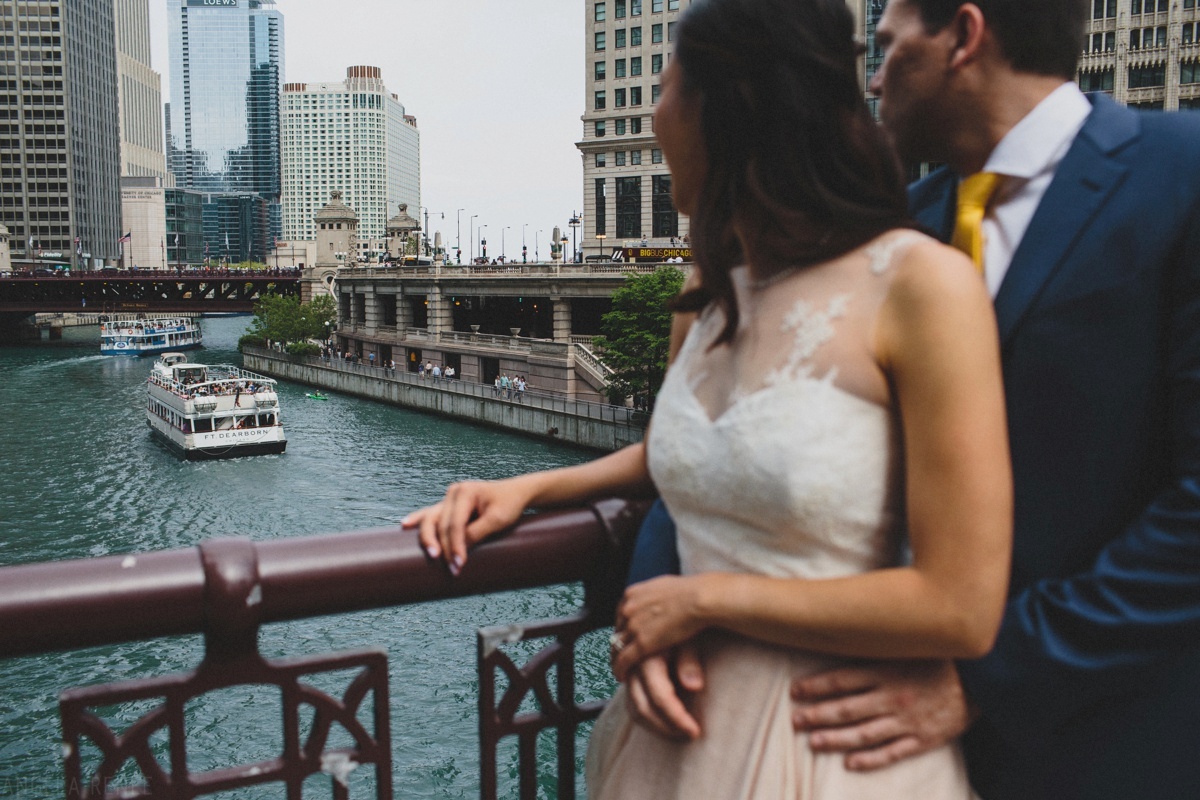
316, 396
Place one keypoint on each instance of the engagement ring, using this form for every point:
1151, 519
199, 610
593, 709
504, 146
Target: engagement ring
616, 641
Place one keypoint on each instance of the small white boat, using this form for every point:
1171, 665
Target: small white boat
218, 411
139, 335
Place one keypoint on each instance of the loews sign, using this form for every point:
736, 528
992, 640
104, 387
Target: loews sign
212, 3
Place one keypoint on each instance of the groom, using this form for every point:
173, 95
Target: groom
1091, 247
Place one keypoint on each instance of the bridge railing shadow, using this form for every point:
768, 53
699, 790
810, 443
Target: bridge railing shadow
227, 588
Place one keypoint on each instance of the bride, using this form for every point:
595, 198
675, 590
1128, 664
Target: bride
830, 439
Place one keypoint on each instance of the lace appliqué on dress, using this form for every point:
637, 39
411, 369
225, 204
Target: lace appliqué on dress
883, 251
810, 329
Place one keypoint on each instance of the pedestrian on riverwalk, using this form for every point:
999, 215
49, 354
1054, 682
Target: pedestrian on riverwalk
497, 383
421, 370
371, 358
506, 386
437, 373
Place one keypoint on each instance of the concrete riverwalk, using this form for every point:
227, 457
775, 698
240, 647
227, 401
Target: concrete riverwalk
592, 425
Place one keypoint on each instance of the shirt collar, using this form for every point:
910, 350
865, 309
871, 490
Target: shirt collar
1039, 141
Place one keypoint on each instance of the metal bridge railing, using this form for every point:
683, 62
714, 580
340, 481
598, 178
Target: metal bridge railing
228, 588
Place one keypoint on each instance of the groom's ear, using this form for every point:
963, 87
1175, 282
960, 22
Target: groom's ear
970, 36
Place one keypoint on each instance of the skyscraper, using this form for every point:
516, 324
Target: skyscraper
354, 137
226, 73
627, 184
139, 93
59, 131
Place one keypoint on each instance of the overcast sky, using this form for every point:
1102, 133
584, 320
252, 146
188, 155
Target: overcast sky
496, 87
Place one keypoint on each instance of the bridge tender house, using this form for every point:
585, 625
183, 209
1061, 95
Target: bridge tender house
655, 255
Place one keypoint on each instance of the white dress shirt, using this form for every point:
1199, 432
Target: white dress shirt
1027, 157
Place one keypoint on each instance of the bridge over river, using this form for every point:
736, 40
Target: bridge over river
23, 295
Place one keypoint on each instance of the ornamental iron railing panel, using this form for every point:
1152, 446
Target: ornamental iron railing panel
228, 588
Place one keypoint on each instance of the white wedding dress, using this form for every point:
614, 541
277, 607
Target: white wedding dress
777, 454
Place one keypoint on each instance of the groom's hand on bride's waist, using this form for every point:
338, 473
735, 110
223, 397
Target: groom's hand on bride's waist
882, 713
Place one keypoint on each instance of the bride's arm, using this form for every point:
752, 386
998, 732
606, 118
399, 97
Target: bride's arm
473, 510
937, 341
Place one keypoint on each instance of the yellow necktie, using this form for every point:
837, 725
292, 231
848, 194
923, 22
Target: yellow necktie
974, 194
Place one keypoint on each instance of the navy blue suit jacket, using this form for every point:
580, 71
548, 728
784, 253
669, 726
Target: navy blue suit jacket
1093, 688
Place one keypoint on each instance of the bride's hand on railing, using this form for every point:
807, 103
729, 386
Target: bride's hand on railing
470, 512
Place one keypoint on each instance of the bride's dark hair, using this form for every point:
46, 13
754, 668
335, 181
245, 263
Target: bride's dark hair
796, 163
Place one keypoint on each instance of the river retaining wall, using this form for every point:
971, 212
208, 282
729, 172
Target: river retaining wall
588, 425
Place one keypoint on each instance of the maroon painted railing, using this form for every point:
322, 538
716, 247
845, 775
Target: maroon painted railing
227, 588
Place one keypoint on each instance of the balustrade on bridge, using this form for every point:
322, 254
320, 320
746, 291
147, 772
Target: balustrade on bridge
228, 588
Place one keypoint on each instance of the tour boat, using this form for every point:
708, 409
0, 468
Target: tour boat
135, 336
217, 411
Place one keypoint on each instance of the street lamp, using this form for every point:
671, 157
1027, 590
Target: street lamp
502, 250
524, 251
471, 237
575, 222
482, 242
458, 236
536, 236
601, 237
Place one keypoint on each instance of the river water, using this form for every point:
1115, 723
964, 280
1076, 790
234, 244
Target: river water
81, 476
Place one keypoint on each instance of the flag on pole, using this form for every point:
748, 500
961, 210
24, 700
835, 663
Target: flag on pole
177, 240
78, 246
128, 237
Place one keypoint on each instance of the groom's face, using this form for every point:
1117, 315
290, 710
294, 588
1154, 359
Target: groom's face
912, 81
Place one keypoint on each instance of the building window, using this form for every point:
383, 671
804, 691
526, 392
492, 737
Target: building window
1135, 7
600, 70
656, 6
619, 68
1142, 77
1189, 72
1097, 81
620, 9
635, 7
600, 127
1189, 4
635, 36
635, 158
619, 98
599, 41
620, 127
635, 124
671, 31
629, 208
1163, 5
665, 217
1187, 32
1102, 9
656, 63
620, 37
656, 33
1135, 39
1110, 41
601, 208
620, 160
655, 93
635, 95
599, 103
599, 12
1160, 37
600, 159
635, 66
1191, 103
656, 156
672, 5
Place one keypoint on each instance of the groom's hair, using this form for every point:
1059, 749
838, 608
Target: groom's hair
1043, 37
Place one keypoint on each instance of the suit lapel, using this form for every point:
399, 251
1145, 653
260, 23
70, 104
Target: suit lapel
1086, 177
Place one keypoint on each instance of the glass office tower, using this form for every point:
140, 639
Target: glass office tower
60, 158
223, 124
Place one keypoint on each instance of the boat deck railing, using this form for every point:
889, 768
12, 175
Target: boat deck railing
228, 588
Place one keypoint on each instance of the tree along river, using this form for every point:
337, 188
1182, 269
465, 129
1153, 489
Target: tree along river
82, 477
